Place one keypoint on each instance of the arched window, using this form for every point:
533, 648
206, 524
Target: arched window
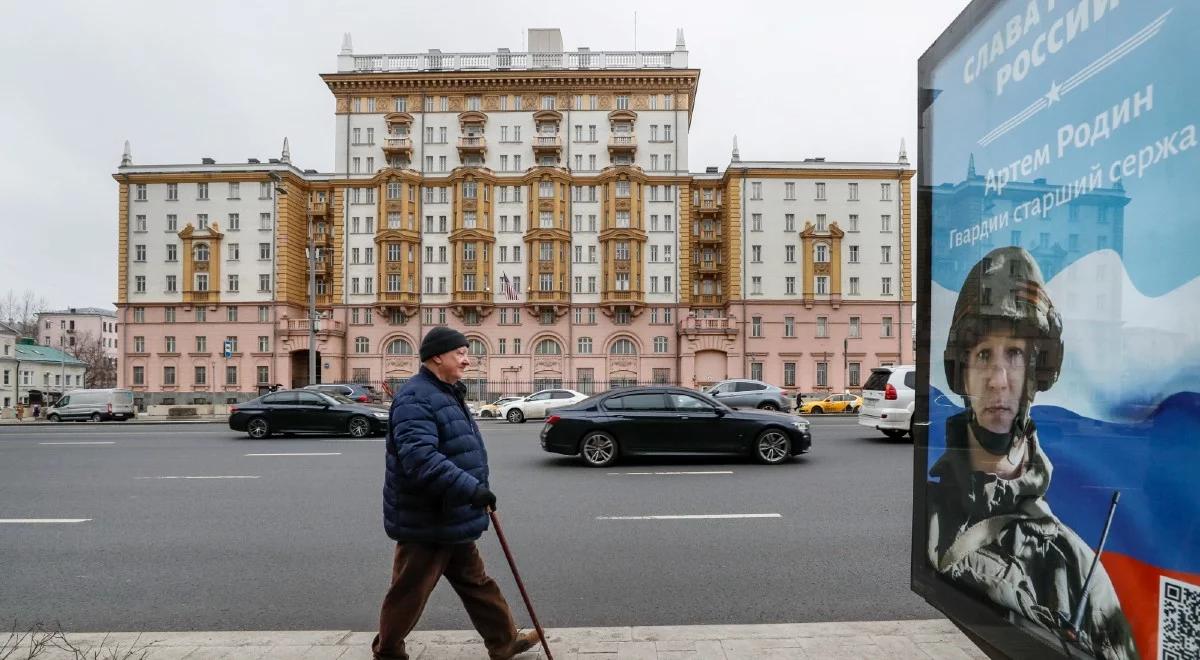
623, 347
585, 345
476, 347
548, 347
362, 345
200, 252
660, 344
399, 347
822, 253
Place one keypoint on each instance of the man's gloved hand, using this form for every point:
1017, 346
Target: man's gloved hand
483, 497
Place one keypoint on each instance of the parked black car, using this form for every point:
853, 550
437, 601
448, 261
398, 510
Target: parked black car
353, 391
306, 411
670, 420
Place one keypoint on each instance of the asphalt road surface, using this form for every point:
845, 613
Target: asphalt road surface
195, 527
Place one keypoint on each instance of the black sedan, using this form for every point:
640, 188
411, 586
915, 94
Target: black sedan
670, 420
306, 411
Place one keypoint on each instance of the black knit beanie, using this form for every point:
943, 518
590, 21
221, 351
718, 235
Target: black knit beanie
441, 339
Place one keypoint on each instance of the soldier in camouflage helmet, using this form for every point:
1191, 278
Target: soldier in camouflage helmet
991, 531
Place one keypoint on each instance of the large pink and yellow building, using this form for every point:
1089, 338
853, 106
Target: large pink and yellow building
541, 202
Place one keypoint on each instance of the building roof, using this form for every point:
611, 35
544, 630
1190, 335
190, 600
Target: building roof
8, 329
80, 311
39, 353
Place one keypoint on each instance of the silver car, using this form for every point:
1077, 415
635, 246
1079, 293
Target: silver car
745, 393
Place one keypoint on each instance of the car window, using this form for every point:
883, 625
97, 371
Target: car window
910, 380
644, 402
689, 402
280, 398
65, 401
309, 399
563, 394
750, 387
723, 387
341, 398
540, 396
878, 379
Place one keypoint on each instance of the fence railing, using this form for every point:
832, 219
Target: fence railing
480, 390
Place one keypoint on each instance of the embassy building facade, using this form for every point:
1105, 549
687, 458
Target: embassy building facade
542, 203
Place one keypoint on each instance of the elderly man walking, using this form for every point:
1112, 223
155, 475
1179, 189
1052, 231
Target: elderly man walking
435, 499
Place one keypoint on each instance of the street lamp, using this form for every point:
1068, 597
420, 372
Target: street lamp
312, 283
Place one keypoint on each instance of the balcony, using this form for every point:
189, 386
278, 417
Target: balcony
622, 144
709, 237
299, 328
399, 298
472, 145
708, 300
511, 61
397, 146
318, 208
472, 297
547, 145
721, 325
709, 267
708, 207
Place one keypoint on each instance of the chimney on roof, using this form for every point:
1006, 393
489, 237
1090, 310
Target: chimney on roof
545, 40
252, 161
207, 161
273, 161
711, 169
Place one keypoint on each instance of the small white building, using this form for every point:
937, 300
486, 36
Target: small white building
36, 374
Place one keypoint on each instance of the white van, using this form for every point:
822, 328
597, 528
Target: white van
94, 405
888, 399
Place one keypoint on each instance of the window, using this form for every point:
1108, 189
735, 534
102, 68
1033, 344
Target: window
264, 375
853, 254
822, 284
822, 222
264, 282
756, 285
264, 251
622, 102
264, 344
660, 344
756, 370
168, 314
232, 284
789, 326
855, 327
545, 347
854, 286
789, 374
201, 344
885, 223
400, 346
362, 345
853, 222
756, 190
886, 286
139, 375
885, 191
756, 329
584, 345
140, 192
756, 254
885, 327
886, 254
201, 191
822, 374
139, 314
139, 253
264, 221
821, 253
264, 313
172, 192
168, 375
853, 192
139, 224
789, 253
855, 374
822, 326
201, 376
755, 222
139, 283
623, 347
789, 222
790, 285
789, 190
622, 188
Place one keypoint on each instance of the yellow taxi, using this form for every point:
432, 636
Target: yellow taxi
834, 403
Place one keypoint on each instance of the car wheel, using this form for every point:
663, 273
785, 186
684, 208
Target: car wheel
598, 449
816, 410
767, 405
258, 428
359, 427
54, 418
772, 447
515, 416
487, 414
95, 417
853, 410
895, 434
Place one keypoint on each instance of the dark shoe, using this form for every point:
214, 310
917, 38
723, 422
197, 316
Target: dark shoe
526, 639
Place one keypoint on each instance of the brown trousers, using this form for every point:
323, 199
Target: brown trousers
416, 569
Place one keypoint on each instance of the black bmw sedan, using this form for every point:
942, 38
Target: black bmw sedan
670, 420
306, 411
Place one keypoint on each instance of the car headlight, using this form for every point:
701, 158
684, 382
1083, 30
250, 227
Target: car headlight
380, 415
801, 424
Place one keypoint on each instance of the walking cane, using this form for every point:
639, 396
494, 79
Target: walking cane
520, 585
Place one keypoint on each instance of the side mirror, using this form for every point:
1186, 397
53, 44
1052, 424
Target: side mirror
721, 412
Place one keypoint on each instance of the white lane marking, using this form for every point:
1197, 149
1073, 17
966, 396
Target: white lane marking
76, 443
355, 440
231, 476
617, 474
40, 521
710, 516
313, 453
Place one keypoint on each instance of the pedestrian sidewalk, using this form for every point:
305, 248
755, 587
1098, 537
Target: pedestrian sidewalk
200, 419
893, 640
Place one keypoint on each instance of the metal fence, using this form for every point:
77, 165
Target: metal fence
485, 390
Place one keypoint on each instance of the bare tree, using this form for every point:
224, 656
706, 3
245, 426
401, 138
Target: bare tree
21, 310
101, 369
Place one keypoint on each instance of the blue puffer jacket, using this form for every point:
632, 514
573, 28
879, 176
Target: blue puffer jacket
435, 461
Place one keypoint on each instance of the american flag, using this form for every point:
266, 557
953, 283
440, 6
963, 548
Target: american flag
509, 292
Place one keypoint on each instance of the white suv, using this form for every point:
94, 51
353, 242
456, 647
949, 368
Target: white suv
888, 399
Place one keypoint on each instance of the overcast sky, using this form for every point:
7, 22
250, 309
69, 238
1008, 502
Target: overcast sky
832, 78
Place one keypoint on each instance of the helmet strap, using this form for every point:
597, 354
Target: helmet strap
996, 444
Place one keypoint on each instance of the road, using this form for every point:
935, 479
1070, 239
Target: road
266, 539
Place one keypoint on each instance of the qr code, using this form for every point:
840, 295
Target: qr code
1178, 620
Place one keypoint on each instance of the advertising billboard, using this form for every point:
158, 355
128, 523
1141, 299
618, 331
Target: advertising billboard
1057, 466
